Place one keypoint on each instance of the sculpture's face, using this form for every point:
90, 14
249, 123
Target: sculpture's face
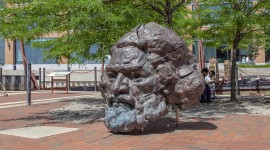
132, 89
130, 76
149, 68
125, 72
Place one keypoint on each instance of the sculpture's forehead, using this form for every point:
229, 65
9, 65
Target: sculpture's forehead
127, 57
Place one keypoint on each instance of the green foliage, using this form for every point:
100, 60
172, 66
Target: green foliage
253, 66
240, 23
231, 18
83, 23
79, 23
173, 14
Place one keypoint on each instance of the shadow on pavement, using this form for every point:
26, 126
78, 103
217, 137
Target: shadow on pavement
168, 124
84, 111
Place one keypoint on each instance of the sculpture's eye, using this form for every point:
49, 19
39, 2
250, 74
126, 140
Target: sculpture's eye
135, 75
111, 80
112, 75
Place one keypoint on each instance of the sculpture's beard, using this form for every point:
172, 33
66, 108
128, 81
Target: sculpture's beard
123, 116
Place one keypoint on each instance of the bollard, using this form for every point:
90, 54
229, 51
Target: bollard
258, 87
25, 79
39, 78
68, 83
29, 84
1, 75
43, 79
95, 78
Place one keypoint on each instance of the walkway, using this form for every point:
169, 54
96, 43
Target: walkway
230, 132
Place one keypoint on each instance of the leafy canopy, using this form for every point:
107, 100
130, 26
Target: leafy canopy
227, 19
80, 24
83, 23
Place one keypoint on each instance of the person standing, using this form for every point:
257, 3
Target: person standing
247, 59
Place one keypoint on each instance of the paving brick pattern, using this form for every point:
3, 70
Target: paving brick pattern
13, 97
232, 132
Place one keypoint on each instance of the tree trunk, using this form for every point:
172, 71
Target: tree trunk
102, 66
201, 54
25, 63
103, 60
233, 62
168, 12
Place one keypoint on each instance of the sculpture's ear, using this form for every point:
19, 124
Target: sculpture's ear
184, 71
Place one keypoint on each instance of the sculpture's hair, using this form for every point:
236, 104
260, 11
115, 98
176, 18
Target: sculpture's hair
152, 38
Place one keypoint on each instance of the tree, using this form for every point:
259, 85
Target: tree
173, 14
176, 15
237, 22
165, 10
10, 34
80, 23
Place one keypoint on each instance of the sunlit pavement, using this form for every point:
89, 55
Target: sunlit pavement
230, 132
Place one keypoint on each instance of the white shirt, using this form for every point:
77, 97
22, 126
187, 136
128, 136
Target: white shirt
247, 60
207, 79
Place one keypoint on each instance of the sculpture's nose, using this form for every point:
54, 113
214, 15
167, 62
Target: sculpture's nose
120, 85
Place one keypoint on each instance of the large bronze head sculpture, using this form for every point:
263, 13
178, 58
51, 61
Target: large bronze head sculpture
150, 67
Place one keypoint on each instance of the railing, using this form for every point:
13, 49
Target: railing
84, 80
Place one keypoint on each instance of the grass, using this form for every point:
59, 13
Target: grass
253, 66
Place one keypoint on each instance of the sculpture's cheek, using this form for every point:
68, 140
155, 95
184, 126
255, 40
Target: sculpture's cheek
147, 85
152, 106
135, 91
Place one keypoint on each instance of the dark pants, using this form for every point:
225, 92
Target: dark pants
205, 97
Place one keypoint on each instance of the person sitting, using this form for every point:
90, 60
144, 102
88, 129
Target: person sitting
213, 82
205, 97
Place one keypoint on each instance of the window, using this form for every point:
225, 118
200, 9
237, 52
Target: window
223, 54
209, 52
33, 55
2, 51
93, 50
2, 3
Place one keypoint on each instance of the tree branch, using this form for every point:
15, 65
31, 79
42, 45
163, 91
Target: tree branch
161, 4
253, 30
255, 7
158, 10
178, 5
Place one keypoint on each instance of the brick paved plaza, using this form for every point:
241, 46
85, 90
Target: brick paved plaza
230, 132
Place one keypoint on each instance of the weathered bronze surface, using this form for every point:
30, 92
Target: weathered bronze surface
150, 67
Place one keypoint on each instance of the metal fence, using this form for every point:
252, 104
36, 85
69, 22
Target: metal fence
79, 80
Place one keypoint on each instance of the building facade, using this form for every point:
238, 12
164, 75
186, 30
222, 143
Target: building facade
11, 58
